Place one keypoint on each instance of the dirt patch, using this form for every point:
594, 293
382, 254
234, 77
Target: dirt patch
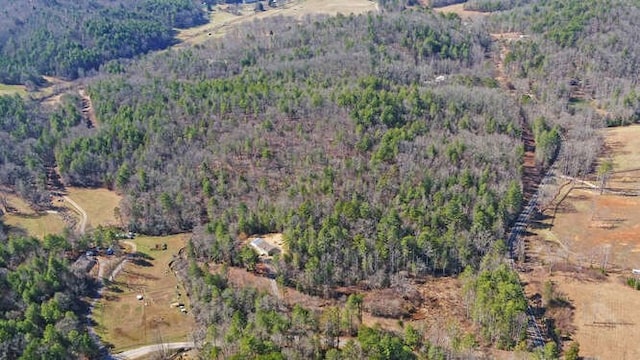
87, 109
435, 305
587, 245
240, 278
594, 231
605, 313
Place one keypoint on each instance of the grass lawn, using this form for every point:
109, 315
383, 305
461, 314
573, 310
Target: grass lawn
99, 205
27, 220
12, 89
125, 322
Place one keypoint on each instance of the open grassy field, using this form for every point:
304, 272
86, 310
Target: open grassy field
54, 85
587, 233
25, 219
125, 322
12, 89
591, 229
604, 311
99, 204
459, 10
224, 17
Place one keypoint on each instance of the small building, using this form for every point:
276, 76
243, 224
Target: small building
84, 263
263, 248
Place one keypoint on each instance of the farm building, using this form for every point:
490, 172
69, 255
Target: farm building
84, 263
263, 247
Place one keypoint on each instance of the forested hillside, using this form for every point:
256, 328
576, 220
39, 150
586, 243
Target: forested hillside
28, 135
383, 146
70, 38
335, 133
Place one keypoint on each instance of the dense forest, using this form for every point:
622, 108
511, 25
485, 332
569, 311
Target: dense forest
356, 172
71, 38
41, 307
383, 146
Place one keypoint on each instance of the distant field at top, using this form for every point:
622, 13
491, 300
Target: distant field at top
224, 16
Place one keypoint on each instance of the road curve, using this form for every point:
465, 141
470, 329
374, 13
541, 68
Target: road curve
83, 221
149, 349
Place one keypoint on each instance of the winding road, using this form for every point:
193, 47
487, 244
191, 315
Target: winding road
83, 221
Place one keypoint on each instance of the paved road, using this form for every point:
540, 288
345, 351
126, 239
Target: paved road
83, 221
150, 349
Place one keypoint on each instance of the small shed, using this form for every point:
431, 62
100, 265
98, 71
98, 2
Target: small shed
263, 247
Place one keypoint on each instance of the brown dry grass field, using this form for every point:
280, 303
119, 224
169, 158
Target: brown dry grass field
36, 224
589, 231
460, 11
99, 204
42, 93
125, 322
222, 19
12, 89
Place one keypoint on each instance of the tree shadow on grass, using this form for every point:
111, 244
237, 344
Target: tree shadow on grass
142, 262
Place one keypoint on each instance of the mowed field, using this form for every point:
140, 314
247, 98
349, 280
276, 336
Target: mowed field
54, 85
126, 322
25, 219
12, 89
459, 10
224, 17
99, 204
588, 232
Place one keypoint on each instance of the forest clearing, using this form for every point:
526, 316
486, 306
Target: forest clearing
19, 216
124, 321
587, 243
225, 16
12, 89
459, 10
99, 204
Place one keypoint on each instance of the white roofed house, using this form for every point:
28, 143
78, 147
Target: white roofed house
263, 247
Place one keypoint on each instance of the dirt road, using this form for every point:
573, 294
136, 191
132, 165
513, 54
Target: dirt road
83, 222
150, 349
